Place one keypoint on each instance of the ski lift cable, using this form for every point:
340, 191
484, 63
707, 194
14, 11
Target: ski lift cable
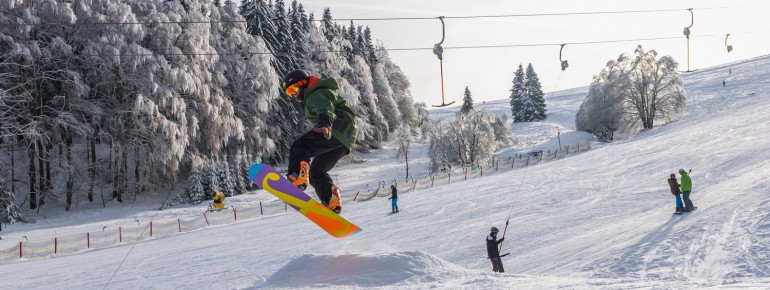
408, 49
400, 18
168, 197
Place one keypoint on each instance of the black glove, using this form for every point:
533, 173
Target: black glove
501, 239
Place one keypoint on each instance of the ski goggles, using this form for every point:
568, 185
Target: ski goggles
293, 89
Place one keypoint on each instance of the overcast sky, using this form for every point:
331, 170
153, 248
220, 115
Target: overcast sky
488, 72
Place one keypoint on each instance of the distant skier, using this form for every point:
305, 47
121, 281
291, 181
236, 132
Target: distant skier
686, 189
332, 136
676, 192
493, 252
394, 199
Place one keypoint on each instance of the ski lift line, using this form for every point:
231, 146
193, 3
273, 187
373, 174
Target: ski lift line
399, 18
168, 197
413, 48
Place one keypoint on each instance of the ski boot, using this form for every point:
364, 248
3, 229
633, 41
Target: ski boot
335, 204
300, 179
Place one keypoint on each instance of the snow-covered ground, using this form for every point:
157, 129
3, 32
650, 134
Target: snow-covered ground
601, 219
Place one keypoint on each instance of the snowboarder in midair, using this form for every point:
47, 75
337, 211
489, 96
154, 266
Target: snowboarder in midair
394, 199
332, 136
674, 185
686, 189
493, 252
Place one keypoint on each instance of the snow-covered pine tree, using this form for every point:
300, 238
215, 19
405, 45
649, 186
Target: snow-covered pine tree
9, 212
195, 193
534, 100
467, 106
237, 179
329, 29
517, 95
223, 178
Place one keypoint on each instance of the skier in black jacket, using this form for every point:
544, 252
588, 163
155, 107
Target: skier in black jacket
493, 252
394, 199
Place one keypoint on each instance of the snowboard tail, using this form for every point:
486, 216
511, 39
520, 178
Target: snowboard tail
266, 177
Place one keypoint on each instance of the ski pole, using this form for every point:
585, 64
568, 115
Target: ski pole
504, 230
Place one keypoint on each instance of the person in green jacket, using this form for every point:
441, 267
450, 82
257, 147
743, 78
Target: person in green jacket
686, 189
332, 137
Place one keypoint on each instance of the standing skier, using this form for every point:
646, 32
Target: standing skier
394, 199
493, 252
686, 189
332, 136
676, 192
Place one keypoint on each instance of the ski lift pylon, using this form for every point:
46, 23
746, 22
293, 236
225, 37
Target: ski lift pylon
439, 51
729, 46
564, 64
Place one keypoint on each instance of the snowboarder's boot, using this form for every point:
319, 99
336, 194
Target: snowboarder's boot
335, 204
300, 179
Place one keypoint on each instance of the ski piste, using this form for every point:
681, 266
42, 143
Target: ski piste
267, 178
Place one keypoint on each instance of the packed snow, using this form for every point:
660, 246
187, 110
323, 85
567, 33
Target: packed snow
600, 219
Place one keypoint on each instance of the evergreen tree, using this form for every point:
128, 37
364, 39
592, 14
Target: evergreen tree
517, 95
467, 102
329, 27
9, 212
195, 192
534, 101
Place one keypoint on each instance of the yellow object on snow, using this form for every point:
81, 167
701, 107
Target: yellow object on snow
219, 200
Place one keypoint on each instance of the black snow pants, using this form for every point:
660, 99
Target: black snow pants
325, 154
497, 264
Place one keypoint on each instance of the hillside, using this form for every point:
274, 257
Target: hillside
599, 219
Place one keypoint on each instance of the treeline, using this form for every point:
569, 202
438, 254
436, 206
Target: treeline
127, 96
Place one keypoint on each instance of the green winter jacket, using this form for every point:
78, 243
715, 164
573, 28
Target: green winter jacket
321, 98
686, 182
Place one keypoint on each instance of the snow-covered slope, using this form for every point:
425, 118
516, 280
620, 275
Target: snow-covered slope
597, 220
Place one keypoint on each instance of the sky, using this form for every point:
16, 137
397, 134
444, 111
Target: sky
599, 219
488, 72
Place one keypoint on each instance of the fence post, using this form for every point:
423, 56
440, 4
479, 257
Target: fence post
481, 167
55, 246
151, 228
262, 213
285, 207
120, 234
432, 178
88, 239
235, 214
179, 222
466, 173
414, 186
20, 251
450, 176
207, 219
355, 197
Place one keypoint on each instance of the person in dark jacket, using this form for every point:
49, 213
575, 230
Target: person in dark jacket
674, 185
394, 199
493, 252
332, 136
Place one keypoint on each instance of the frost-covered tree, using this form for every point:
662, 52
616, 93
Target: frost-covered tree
632, 91
9, 212
653, 88
404, 139
467, 106
517, 95
195, 192
465, 139
601, 113
534, 101
423, 119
